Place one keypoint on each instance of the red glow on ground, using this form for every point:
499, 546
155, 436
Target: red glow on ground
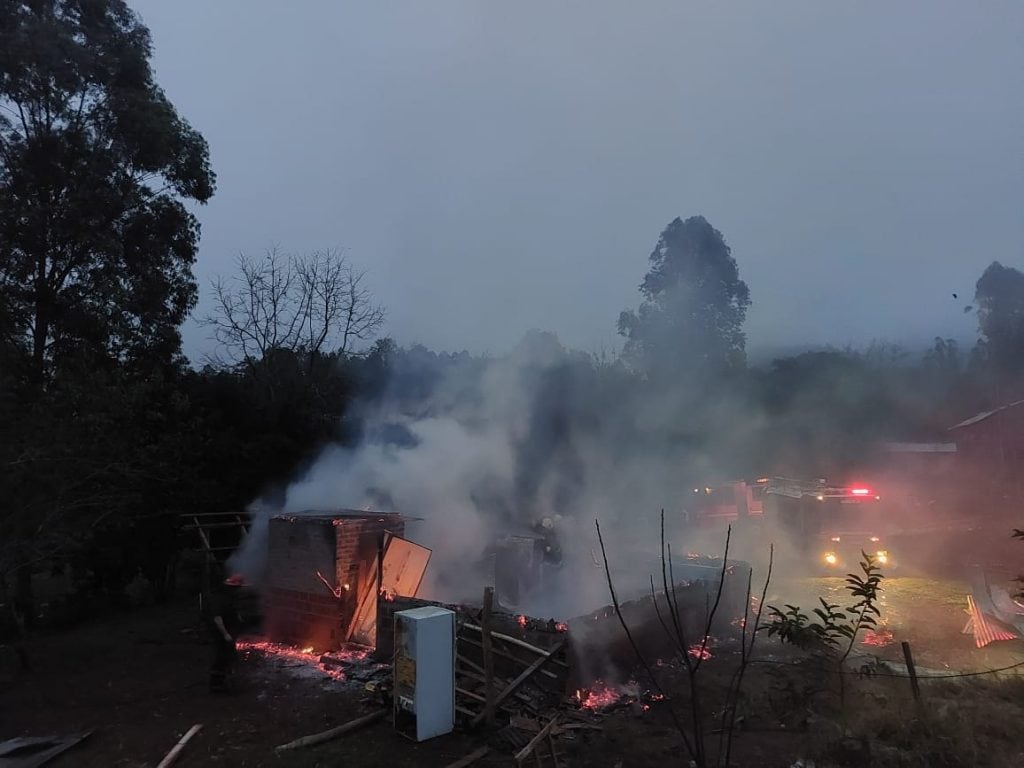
561, 626
522, 620
601, 696
878, 638
301, 656
699, 653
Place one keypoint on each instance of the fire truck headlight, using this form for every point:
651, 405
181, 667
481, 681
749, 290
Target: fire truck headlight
831, 558
882, 557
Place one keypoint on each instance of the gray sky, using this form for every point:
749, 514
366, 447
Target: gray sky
504, 166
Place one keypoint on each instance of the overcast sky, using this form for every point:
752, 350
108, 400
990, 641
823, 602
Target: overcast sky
501, 166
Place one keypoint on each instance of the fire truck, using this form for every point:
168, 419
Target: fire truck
827, 524
832, 524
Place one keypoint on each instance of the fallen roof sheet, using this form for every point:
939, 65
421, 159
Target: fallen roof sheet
985, 629
920, 447
985, 414
33, 751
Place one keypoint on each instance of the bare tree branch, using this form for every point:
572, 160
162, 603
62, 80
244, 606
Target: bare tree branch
304, 304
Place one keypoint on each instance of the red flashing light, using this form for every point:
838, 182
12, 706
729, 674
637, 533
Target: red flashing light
861, 491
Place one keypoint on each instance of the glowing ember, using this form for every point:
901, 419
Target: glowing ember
878, 638
601, 696
522, 621
302, 657
561, 626
699, 653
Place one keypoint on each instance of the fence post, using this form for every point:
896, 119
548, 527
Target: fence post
485, 638
912, 670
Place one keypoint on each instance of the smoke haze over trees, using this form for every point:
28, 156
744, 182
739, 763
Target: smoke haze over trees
107, 435
691, 318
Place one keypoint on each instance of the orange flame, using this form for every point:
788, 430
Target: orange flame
601, 696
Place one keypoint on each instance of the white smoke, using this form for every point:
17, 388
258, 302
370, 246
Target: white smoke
491, 450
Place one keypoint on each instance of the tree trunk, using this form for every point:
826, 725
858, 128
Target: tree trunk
24, 602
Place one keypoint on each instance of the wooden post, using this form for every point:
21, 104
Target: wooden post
488, 654
333, 733
525, 675
912, 670
171, 756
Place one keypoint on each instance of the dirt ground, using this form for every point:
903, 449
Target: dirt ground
138, 681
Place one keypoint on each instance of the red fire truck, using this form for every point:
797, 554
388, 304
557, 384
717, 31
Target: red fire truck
828, 524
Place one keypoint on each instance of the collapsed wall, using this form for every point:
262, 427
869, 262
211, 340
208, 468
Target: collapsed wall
599, 648
319, 565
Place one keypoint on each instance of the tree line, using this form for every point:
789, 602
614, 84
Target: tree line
108, 434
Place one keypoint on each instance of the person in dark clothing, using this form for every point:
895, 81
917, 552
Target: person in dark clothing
220, 612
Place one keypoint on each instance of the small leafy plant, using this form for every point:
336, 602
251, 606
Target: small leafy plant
832, 630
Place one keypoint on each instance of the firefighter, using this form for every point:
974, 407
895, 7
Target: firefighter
552, 547
220, 612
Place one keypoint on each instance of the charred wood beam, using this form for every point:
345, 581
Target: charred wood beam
522, 643
524, 676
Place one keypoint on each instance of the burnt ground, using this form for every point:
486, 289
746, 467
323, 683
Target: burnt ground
139, 681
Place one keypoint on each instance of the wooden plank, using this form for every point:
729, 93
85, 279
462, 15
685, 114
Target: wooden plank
509, 656
38, 754
197, 526
205, 541
525, 675
485, 636
469, 759
554, 752
521, 643
333, 733
524, 753
460, 659
470, 695
171, 756
480, 678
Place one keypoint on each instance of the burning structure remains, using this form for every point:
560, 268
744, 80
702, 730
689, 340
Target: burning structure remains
324, 572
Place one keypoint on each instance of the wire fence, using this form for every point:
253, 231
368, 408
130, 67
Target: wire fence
872, 672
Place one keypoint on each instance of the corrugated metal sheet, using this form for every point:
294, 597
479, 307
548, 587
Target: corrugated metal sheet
920, 447
985, 630
985, 414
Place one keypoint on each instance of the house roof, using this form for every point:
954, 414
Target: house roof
979, 417
920, 447
340, 515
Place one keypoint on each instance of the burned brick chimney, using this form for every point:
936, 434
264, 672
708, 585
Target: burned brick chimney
319, 565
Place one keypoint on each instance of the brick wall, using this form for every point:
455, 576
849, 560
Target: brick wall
299, 608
